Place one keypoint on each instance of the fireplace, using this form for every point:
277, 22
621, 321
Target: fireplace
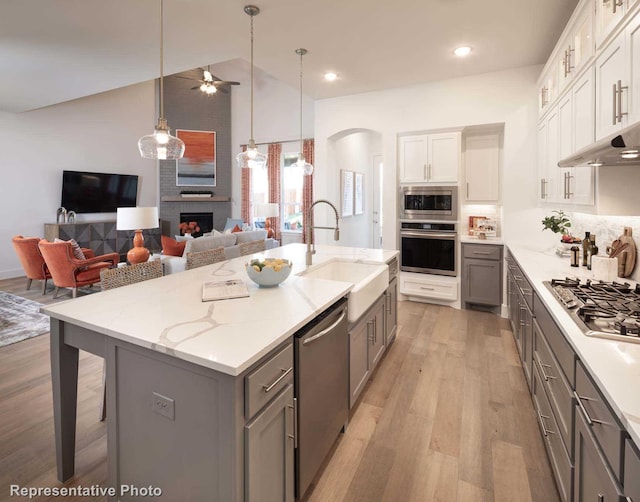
195, 224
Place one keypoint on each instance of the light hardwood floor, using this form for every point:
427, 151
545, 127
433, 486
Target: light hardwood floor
446, 417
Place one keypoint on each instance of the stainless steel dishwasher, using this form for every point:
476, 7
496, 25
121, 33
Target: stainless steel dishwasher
321, 389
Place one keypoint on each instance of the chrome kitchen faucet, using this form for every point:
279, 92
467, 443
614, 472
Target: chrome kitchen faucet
310, 228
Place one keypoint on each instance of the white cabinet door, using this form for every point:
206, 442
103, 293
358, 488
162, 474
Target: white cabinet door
543, 194
412, 158
443, 157
429, 157
611, 101
553, 177
565, 145
608, 14
583, 111
633, 47
482, 168
583, 46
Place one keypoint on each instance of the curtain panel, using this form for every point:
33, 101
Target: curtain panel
273, 175
308, 150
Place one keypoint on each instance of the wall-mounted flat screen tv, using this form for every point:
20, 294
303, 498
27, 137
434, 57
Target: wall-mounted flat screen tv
85, 192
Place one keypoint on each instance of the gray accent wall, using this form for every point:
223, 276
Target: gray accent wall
193, 110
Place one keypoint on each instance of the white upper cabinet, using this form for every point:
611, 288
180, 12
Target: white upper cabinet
429, 157
608, 14
482, 167
581, 184
612, 87
548, 142
633, 61
547, 89
576, 47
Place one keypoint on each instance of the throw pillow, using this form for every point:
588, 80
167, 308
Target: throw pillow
236, 229
171, 247
75, 248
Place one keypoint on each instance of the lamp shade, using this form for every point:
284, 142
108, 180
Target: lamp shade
136, 218
268, 210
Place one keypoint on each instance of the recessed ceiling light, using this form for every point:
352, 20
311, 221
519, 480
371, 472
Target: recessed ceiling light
462, 51
330, 76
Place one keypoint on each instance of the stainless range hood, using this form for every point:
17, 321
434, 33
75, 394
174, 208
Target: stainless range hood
619, 149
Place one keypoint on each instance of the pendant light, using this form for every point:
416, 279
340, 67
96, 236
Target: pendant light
307, 168
251, 157
161, 145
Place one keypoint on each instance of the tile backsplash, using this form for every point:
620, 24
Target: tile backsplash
606, 229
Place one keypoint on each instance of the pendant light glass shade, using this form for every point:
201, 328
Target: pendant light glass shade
251, 157
302, 163
161, 145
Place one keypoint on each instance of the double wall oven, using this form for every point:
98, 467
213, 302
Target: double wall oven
428, 234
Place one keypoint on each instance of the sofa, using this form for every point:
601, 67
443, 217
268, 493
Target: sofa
230, 243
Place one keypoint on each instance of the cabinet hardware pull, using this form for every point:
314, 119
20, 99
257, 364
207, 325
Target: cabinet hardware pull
481, 252
426, 172
268, 388
564, 63
569, 192
620, 88
545, 431
526, 291
569, 66
542, 188
294, 408
616, 4
427, 289
467, 189
590, 421
615, 105
327, 330
542, 367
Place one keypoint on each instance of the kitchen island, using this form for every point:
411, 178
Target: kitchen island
176, 368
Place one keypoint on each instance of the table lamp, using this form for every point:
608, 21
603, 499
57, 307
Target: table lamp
266, 211
137, 218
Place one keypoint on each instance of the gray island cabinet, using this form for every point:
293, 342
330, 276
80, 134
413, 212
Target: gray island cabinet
200, 395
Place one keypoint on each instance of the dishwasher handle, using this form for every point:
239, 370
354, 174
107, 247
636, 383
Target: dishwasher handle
326, 330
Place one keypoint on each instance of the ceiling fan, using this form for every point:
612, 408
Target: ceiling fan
209, 83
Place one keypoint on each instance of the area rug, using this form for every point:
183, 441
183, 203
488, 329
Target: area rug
20, 319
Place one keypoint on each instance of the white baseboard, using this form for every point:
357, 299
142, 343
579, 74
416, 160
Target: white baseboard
10, 274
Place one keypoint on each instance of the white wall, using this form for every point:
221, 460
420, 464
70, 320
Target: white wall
353, 150
502, 97
98, 133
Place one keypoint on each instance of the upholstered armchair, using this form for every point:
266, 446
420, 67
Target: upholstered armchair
69, 272
31, 260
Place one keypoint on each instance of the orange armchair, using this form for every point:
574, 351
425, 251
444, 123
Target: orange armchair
69, 272
31, 259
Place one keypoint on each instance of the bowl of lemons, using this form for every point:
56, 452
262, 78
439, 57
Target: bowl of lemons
268, 272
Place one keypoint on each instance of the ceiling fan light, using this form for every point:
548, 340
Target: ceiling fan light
330, 76
211, 89
203, 87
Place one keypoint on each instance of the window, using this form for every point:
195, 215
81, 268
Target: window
291, 180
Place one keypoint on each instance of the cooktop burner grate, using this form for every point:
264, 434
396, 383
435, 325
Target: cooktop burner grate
608, 309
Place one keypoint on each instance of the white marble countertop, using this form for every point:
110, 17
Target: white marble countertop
614, 365
167, 314
489, 240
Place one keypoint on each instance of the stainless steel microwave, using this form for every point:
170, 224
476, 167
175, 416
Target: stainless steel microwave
429, 203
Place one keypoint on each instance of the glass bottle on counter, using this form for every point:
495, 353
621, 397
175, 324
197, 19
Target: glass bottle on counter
586, 246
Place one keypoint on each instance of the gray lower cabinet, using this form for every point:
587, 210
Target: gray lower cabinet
269, 450
593, 480
631, 477
482, 274
391, 312
366, 347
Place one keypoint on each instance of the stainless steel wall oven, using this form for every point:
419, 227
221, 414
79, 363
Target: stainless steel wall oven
429, 202
428, 247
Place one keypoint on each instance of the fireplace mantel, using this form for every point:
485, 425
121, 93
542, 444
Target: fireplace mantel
179, 198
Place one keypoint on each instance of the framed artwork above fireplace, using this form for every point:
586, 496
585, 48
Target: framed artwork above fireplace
198, 165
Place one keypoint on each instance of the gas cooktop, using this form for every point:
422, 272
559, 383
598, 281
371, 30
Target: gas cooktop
603, 309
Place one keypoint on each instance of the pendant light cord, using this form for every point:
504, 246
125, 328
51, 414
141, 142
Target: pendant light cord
251, 124
301, 142
161, 59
